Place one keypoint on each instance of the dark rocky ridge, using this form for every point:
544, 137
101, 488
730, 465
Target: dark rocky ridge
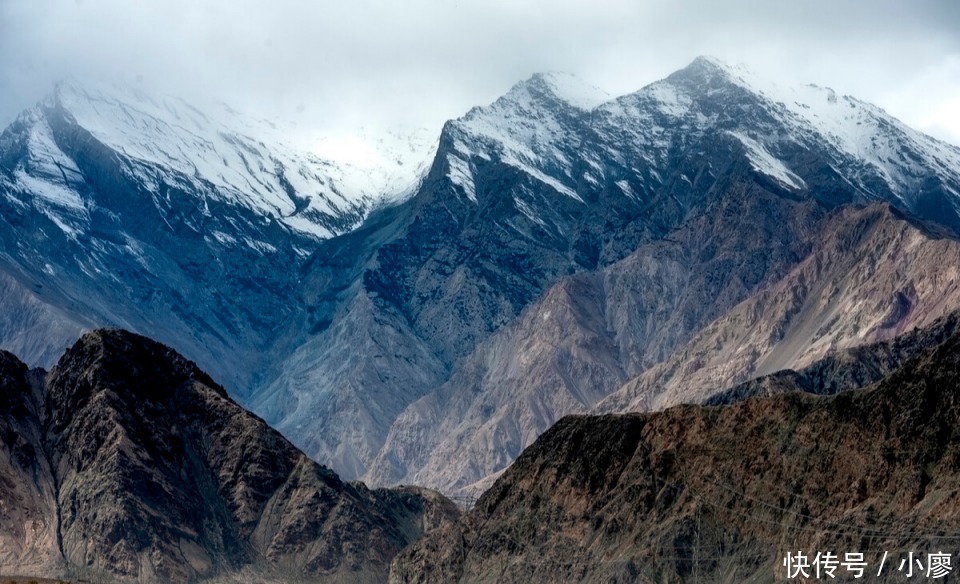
156, 475
720, 494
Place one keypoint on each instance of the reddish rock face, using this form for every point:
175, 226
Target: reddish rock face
720, 493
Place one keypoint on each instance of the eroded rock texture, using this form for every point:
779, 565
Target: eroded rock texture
138, 466
720, 494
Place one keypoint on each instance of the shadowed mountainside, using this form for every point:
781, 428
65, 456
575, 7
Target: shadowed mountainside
137, 466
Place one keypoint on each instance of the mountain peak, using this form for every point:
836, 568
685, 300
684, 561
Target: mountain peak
571, 89
709, 63
705, 72
112, 358
553, 85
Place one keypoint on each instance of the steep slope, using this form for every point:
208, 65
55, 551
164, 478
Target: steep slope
28, 514
122, 208
161, 477
846, 369
721, 494
873, 277
33, 324
605, 341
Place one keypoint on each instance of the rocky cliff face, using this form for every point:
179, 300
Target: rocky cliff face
674, 204
155, 474
639, 219
869, 275
28, 512
720, 494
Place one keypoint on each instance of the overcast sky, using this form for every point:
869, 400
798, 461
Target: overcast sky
334, 65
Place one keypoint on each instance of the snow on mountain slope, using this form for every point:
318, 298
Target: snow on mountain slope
390, 162
573, 138
49, 174
530, 128
247, 160
903, 156
763, 161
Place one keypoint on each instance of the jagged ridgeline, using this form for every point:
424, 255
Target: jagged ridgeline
127, 463
724, 494
562, 251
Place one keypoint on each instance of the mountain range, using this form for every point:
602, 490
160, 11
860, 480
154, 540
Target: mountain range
560, 252
725, 494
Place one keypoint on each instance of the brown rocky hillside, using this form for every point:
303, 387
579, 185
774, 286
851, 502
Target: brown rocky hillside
721, 494
128, 463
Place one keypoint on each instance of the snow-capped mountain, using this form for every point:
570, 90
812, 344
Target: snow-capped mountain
573, 137
239, 160
383, 337
528, 129
121, 208
861, 135
721, 185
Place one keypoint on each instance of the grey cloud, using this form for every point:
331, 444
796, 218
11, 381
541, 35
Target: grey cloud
341, 64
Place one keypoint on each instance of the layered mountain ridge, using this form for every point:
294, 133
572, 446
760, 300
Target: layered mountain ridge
563, 247
722, 494
727, 221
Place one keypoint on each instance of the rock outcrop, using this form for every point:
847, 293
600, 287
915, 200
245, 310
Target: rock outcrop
141, 468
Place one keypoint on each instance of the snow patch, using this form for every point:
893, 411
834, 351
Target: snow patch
574, 91
461, 175
545, 179
50, 192
626, 188
223, 237
764, 162
529, 213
